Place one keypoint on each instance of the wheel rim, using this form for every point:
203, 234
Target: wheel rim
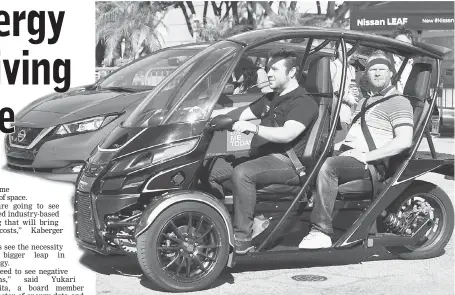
437, 216
188, 247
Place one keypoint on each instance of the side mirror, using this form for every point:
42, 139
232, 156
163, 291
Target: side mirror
228, 89
173, 62
89, 87
221, 123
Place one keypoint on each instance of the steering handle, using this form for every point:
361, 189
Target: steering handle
231, 130
223, 123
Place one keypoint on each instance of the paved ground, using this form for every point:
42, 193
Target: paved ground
357, 271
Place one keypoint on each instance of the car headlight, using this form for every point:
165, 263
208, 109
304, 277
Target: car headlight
154, 156
86, 125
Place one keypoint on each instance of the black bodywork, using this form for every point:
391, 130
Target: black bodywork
114, 207
37, 146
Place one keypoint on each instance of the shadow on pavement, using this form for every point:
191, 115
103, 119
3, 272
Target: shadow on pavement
111, 265
225, 277
309, 259
128, 265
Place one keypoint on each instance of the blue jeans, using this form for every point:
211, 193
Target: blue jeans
335, 171
244, 179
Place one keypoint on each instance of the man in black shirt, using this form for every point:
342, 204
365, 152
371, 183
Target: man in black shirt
294, 111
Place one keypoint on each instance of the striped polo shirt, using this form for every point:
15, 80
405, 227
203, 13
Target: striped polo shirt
381, 120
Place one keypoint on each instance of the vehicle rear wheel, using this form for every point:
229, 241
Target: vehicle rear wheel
185, 249
440, 211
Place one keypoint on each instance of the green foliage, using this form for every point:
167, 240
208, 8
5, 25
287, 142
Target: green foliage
254, 15
134, 22
134, 25
296, 19
217, 29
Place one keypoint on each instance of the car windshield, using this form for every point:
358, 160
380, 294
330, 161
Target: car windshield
188, 91
147, 73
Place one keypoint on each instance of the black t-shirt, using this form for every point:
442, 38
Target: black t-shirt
296, 105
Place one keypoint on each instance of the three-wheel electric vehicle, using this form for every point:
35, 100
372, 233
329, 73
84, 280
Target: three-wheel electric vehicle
144, 190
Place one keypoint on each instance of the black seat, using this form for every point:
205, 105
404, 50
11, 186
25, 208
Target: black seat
416, 90
319, 84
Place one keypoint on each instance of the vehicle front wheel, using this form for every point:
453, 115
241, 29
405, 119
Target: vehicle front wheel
185, 249
440, 212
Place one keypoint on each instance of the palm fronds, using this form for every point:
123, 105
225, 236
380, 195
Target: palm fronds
136, 22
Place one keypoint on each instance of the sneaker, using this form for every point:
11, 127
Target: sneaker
316, 240
243, 247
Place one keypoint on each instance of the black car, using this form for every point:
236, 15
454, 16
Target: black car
55, 134
144, 189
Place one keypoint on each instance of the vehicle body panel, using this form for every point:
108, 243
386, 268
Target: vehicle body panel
163, 202
139, 135
418, 167
55, 156
87, 104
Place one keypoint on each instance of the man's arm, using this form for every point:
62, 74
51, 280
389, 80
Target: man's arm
401, 142
247, 115
285, 134
301, 114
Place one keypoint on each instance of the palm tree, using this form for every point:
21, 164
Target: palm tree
134, 22
335, 16
219, 28
295, 19
254, 15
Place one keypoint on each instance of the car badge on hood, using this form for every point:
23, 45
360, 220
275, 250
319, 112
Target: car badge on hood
21, 135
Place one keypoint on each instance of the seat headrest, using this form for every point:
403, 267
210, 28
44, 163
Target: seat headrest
418, 81
318, 79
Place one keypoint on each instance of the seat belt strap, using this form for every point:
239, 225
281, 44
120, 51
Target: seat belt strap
299, 168
364, 110
366, 132
371, 146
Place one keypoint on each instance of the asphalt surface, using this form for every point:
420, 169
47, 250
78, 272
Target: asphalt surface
354, 271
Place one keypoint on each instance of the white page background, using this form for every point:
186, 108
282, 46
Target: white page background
77, 43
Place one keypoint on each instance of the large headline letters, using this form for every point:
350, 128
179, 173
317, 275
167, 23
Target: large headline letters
33, 70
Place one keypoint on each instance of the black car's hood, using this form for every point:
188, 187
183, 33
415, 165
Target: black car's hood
76, 104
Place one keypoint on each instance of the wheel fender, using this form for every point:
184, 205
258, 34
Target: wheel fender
446, 169
418, 167
161, 203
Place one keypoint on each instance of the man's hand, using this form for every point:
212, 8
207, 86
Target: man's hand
356, 154
354, 90
244, 126
350, 99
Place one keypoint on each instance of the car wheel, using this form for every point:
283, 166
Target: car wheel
185, 249
441, 215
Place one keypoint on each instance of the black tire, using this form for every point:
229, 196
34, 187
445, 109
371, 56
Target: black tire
441, 202
151, 258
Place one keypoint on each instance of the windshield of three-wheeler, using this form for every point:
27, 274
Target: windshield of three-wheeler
188, 91
148, 72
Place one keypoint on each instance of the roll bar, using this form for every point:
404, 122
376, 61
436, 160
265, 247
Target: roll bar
430, 109
317, 166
